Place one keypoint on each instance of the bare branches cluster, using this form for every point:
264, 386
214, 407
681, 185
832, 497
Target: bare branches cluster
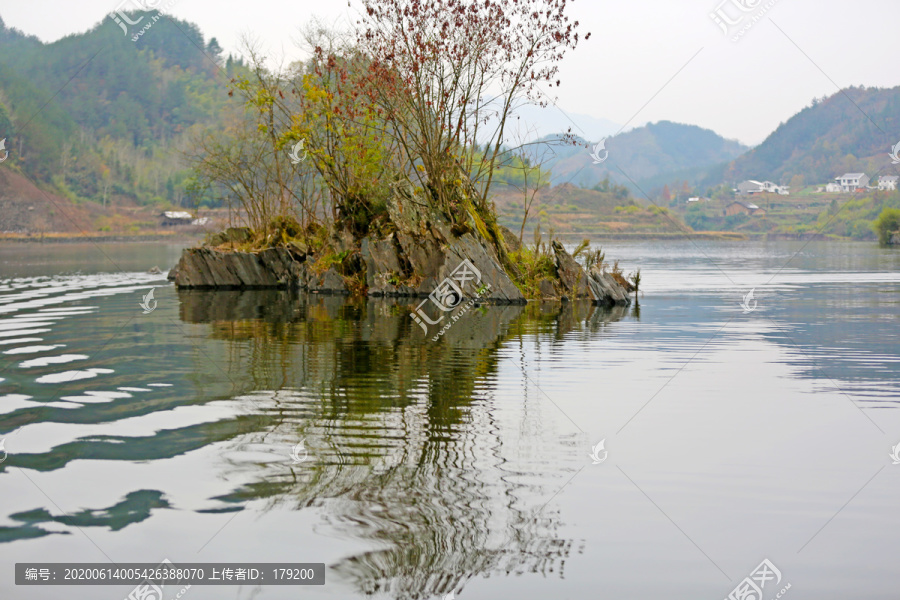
421, 92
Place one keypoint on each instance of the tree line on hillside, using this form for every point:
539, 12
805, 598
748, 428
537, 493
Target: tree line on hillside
98, 116
844, 133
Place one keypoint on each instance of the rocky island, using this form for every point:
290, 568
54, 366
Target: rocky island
412, 257
368, 169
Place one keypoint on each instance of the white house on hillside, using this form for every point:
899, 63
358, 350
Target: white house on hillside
176, 217
888, 182
850, 182
833, 188
751, 187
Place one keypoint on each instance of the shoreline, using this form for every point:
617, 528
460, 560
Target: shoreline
721, 236
71, 239
724, 236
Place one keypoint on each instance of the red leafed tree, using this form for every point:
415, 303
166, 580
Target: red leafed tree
447, 76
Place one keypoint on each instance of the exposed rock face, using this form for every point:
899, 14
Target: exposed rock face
598, 285
573, 281
605, 290
210, 268
236, 235
511, 239
329, 282
407, 265
425, 251
399, 265
384, 267
486, 261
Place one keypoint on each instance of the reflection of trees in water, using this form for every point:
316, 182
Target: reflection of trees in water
407, 454
443, 527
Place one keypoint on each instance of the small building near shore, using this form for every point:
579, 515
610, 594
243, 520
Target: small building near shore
888, 182
751, 187
744, 208
172, 218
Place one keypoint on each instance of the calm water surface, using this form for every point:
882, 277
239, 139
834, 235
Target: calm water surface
462, 465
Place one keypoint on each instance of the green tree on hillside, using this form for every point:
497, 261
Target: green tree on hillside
887, 223
619, 192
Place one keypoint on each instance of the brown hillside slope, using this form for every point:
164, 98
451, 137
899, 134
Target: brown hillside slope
25, 209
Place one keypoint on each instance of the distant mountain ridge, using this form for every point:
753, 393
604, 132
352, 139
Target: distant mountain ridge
533, 122
850, 131
638, 155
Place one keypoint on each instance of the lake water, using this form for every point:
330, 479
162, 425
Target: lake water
462, 465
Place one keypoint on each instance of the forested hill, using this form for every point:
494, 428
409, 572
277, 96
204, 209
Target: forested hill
851, 131
97, 115
643, 153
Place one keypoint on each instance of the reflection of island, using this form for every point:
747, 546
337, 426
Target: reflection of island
134, 508
408, 456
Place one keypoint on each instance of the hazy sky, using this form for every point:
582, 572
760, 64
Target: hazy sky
640, 51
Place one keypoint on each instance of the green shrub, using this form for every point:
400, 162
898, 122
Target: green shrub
887, 223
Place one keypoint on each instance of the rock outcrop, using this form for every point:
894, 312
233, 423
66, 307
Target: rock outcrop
407, 265
575, 283
421, 255
399, 265
212, 268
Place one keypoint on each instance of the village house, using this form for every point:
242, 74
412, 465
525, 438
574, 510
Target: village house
850, 182
744, 208
833, 188
171, 218
888, 182
752, 187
